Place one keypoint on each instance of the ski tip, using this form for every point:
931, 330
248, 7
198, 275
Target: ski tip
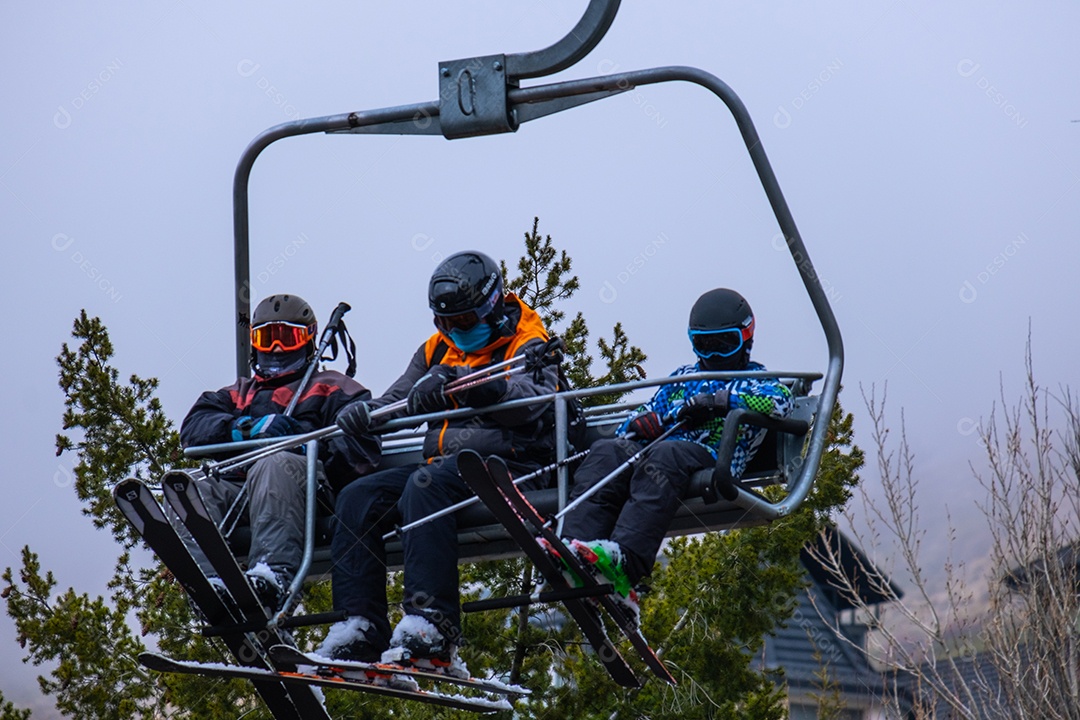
128, 485
154, 661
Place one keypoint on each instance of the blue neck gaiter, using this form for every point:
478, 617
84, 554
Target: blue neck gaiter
472, 339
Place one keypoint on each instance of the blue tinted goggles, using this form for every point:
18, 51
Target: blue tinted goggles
719, 343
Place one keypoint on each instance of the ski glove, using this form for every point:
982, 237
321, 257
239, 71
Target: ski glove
267, 426
355, 419
426, 394
703, 407
645, 426
487, 393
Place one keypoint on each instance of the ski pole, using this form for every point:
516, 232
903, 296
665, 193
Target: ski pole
328, 334
288, 443
616, 472
228, 523
469, 501
550, 352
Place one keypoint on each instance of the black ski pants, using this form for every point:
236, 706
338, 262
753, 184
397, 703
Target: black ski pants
636, 507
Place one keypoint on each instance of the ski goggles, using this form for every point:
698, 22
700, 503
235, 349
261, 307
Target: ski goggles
461, 321
287, 336
470, 319
720, 343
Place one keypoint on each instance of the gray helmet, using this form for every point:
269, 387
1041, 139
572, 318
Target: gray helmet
283, 335
284, 308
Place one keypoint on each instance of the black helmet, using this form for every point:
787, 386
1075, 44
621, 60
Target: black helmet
283, 330
465, 289
721, 329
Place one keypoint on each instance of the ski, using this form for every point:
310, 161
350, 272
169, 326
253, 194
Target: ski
182, 494
143, 512
287, 655
622, 616
474, 471
362, 682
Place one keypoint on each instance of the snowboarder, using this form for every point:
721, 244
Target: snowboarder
617, 531
477, 325
283, 343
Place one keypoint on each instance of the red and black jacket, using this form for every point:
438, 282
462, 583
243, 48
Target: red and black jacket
344, 458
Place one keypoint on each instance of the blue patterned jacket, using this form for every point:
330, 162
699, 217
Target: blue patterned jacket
763, 395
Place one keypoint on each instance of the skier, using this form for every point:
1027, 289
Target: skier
616, 532
283, 343
477, 325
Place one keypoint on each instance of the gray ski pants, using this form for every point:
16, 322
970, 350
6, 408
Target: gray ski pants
275, 512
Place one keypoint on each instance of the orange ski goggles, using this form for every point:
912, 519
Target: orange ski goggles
287, 336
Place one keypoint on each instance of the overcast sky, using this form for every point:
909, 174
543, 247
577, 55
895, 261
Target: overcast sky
930, 153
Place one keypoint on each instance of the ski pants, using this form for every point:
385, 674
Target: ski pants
276, 502
372, 506
636, 507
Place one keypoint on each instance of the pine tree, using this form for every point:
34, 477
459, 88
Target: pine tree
711, 603
543, 281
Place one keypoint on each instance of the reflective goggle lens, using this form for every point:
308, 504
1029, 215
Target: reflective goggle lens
719, 343
287, 336
462, 321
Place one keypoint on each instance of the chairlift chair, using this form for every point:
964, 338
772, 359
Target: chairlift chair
483, 96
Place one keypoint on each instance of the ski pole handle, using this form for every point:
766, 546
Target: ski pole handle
327, 336
335, 317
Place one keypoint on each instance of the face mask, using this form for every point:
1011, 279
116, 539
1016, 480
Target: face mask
718, 364
472, 339
272, 365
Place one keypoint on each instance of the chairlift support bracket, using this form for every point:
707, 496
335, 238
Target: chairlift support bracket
482, 96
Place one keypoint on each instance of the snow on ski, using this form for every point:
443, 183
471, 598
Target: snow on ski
183, 495
622, 616
474, 471
380, 686
139, 507
288, 655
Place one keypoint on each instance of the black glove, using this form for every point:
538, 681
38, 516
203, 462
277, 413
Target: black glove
488, 393
355, 418
267, 426
539, 355
703, 407
426, 394
646, 426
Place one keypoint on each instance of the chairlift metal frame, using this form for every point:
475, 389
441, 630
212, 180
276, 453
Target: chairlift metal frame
483, 96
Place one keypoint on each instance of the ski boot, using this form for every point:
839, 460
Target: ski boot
350, 641
604, 559
417, 643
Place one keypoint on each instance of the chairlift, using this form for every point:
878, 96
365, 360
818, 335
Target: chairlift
481, 96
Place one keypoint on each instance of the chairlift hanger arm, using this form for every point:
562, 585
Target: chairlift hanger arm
589, 30
480, 96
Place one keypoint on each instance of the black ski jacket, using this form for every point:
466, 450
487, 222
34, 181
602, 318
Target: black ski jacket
344, 458
524, 433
